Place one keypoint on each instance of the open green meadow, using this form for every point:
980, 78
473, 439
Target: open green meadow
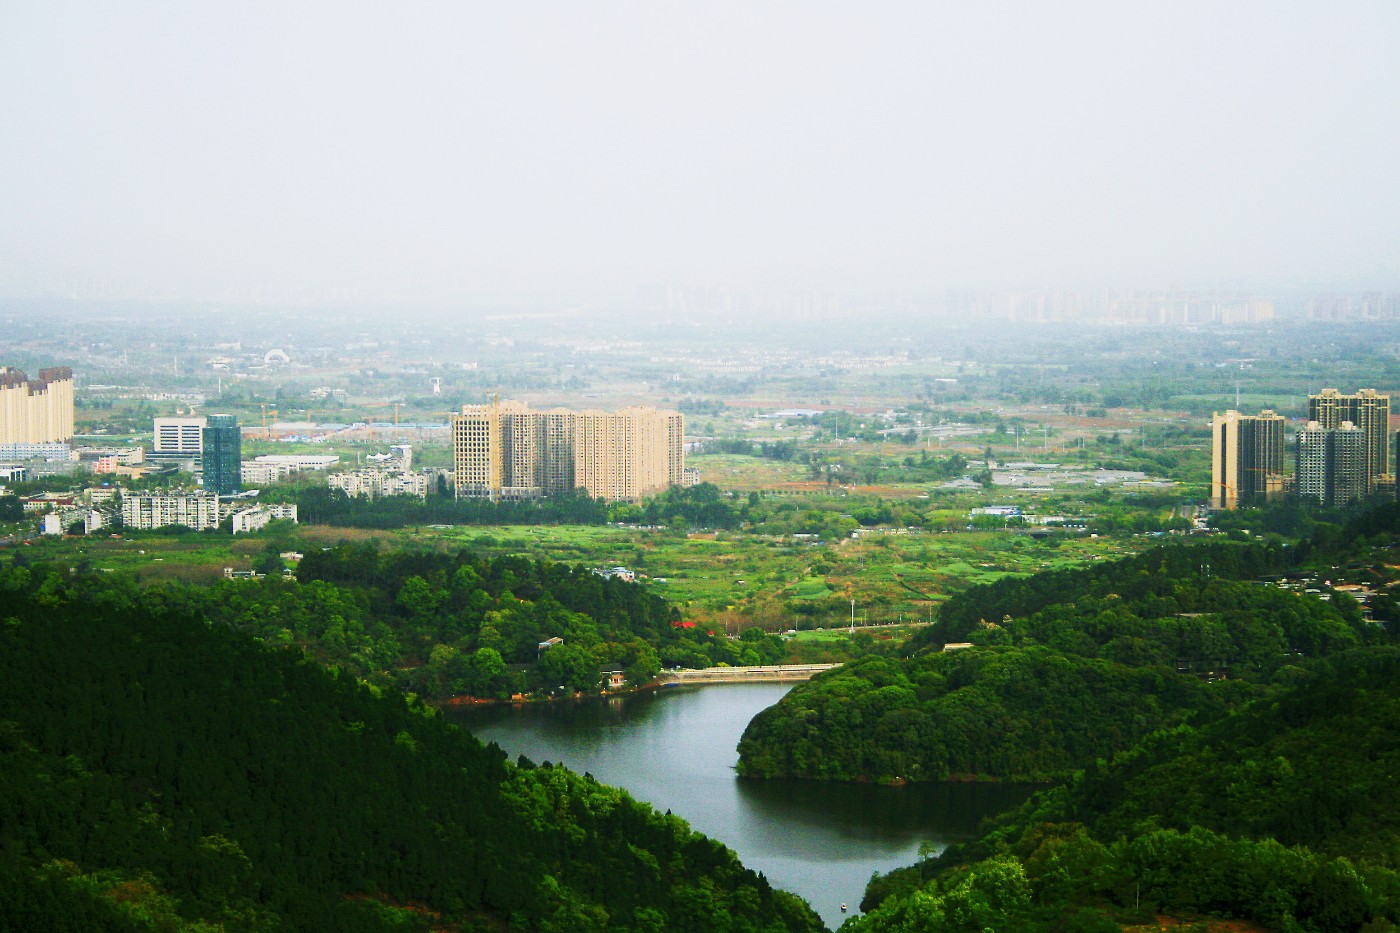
729, 579
742, 473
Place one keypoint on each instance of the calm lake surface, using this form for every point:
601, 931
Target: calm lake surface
675, 749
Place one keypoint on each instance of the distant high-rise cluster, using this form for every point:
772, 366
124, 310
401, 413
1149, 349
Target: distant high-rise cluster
36, 411
1113, 307
1369, 413
1342, 454
1354, 306
504, 450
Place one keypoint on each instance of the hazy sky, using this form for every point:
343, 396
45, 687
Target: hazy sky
443, 151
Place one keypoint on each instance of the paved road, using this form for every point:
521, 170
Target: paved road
744, 675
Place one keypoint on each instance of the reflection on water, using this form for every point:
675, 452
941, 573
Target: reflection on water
855, 818
675, 749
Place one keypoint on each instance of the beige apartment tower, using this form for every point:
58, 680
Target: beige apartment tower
1369, 411
504, 450
36, 411
1246, 458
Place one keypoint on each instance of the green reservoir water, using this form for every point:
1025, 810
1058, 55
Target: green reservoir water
675, 749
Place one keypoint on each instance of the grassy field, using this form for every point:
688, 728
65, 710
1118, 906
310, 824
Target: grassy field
741, 474
725, 579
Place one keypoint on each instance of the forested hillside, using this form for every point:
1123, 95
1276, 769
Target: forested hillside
1008, 714
159, 771
1227, 746
1166, 571
1096, 660
441, 624
1281, 813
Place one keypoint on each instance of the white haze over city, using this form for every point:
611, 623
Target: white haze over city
590, 153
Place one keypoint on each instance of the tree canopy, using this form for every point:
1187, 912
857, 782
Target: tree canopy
160, 770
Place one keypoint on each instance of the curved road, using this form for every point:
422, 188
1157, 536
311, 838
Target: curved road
769, 673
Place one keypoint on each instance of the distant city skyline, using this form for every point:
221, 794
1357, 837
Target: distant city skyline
494, 155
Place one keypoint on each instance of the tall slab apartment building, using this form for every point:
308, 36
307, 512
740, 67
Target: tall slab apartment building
36, 411
1246, 458
1370, 412
504, 450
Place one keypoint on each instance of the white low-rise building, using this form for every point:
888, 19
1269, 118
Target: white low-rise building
374, 483
23, 451
102, 457
256, 517
100, 495
300, 461
407, 484
261, 474
287, 511
198, 510
49, 502
58, 523
269, 468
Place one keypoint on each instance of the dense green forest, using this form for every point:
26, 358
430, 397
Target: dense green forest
1023, 714
1347, 539
444, 603
161, 771
442, 624
1076, 666
1226, 747
1167, 569
1281, 812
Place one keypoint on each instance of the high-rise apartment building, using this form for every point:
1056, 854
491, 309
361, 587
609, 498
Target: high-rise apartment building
503, 450
223, 455
1246, 458
178, 438
1331, 464
1369, 412
36, 411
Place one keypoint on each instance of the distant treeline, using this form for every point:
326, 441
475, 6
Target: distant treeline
701, 506
785, 451
324, 506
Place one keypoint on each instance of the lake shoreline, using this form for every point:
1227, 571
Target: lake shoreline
676, 750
